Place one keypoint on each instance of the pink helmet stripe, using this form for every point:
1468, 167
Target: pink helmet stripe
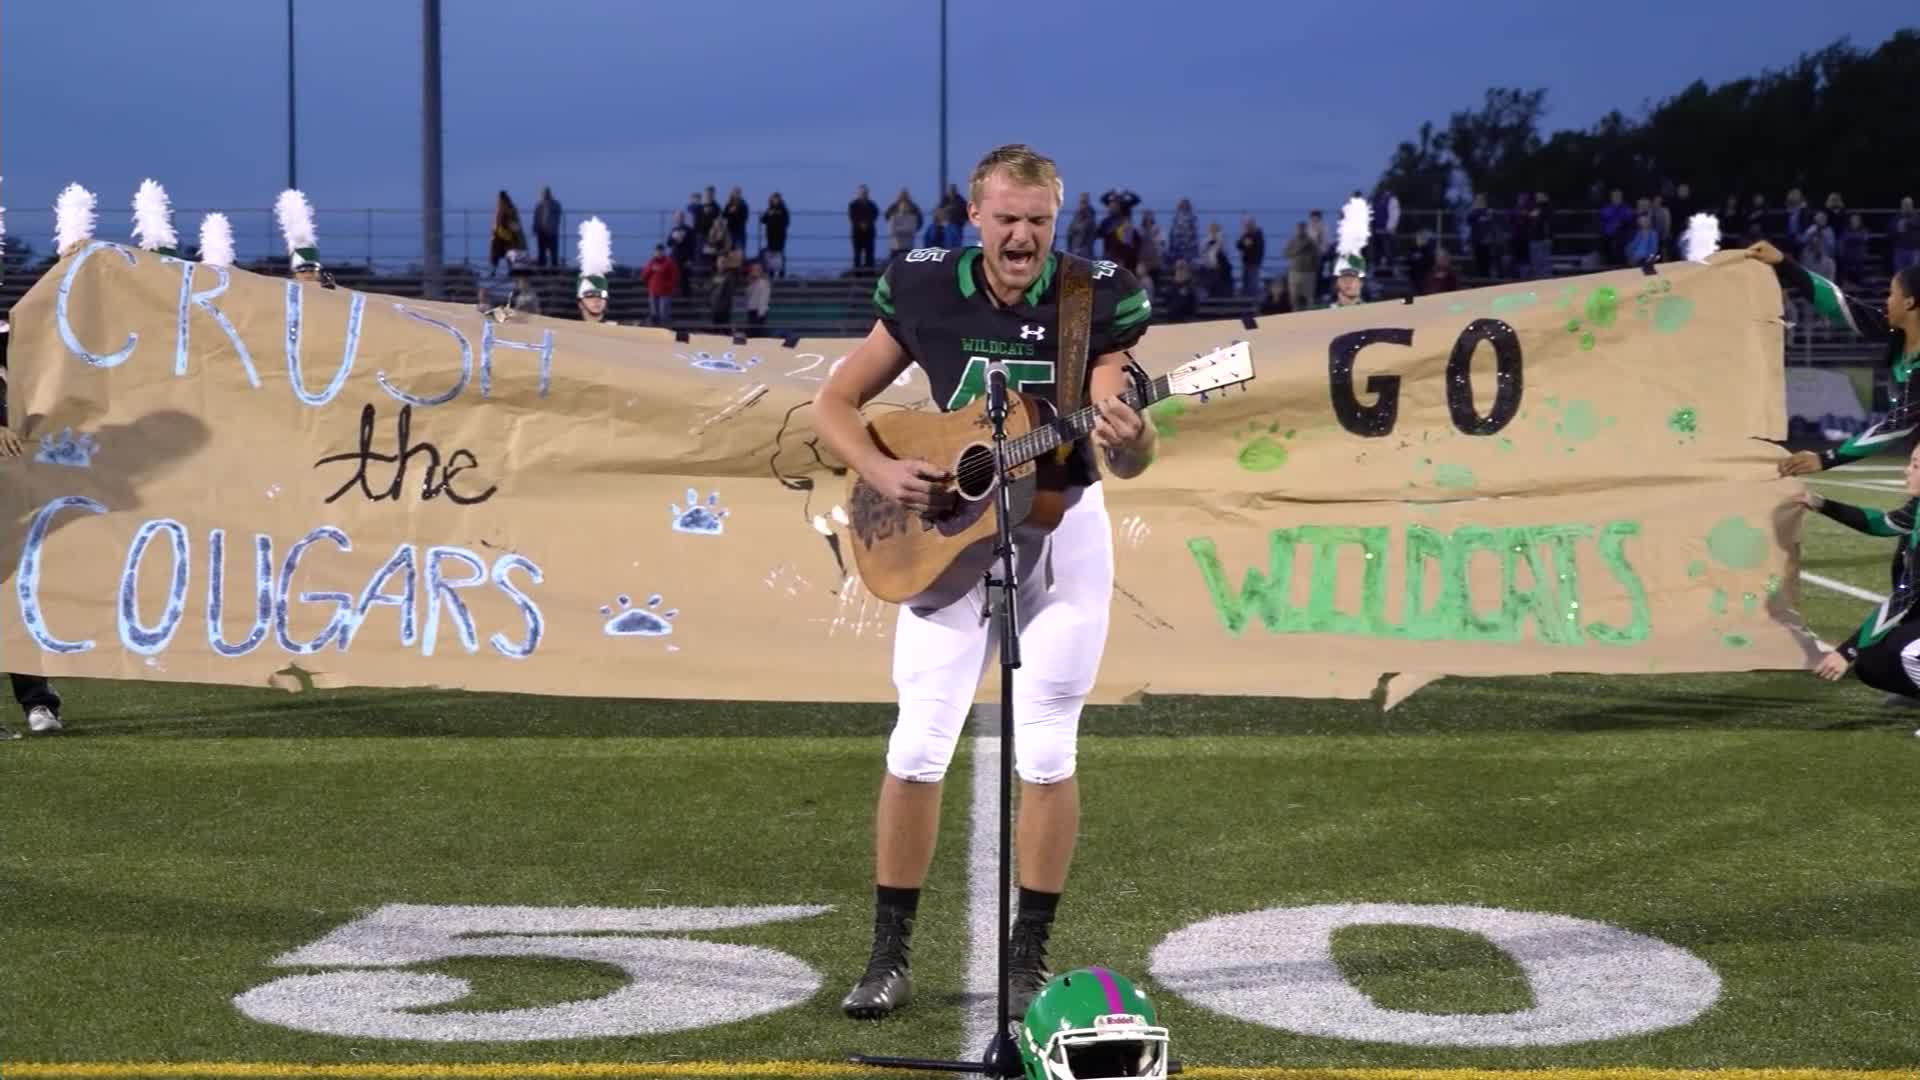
1113, 992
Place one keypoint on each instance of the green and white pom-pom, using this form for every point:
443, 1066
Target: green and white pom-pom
153, 219
72, 218
1703, 237
596, 257
1356, 225
295, 216
216, 240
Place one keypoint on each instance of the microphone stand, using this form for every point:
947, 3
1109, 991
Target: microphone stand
1002, 1056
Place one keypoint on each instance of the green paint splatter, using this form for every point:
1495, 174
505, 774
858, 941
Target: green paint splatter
1553, 402
1505, 445
1718, 605
1165, 413
1565, 301
1735, 641
1736, 544
1696, 568
1684, 421
1453, 476
1514, 302
1456, 308
1262, 454
1749, 602
1671, 313
1603, 306
1773, 584
1578, 423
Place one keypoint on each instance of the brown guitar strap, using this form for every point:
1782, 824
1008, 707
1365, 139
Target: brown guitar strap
1075, 336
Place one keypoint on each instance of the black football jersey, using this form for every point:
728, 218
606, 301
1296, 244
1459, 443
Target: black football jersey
934, 302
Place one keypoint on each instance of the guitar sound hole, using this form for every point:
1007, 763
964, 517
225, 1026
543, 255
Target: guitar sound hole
973, 476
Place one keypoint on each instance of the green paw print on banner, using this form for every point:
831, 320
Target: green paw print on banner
1577, 423
1684, 422
1667, 312
1450, 477
1165, 415
1261, 449
1600, 308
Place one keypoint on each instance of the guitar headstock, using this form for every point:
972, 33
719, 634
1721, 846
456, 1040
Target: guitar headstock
1221, 368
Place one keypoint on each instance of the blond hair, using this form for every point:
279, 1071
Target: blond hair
1023, 165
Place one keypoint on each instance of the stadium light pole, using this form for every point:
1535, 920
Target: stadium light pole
293, 176
941, 191
430, 186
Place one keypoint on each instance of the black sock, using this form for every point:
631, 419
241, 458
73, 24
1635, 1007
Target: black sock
904, 901
1037, 906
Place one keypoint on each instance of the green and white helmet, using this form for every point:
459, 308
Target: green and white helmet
1091, 1022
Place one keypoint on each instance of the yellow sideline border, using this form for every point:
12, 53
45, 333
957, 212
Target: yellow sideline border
807, 1070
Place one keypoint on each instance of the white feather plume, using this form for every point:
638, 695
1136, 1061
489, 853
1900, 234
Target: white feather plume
295, 216
153, 217
216, 240
596, 248
1356, 222
72, 218
1703, 237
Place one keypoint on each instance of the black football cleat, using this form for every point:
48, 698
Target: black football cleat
887, 984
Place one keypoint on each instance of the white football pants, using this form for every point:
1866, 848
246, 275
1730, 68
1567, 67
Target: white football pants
939, 657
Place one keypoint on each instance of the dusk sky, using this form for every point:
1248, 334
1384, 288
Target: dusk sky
628, 106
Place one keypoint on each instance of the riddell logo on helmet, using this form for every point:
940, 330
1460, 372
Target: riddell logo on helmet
1119, 1020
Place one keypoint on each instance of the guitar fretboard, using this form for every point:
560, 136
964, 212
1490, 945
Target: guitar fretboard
1079, 425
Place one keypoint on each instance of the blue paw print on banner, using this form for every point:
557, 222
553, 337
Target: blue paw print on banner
630, 621
726, 362
705, 520
64, 449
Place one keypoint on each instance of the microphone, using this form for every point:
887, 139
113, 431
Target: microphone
997, 392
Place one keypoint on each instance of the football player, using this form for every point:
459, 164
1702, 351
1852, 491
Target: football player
953, 312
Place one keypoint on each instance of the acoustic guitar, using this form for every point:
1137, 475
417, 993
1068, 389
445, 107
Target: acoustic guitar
905, 557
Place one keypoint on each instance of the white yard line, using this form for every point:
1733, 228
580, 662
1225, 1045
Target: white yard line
983, 880
1841, 587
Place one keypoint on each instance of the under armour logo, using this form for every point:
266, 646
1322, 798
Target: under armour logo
1030, 332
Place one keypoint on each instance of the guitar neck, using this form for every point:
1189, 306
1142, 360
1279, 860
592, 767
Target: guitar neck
1072, 428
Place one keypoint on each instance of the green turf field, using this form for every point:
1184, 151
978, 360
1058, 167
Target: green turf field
1757, 832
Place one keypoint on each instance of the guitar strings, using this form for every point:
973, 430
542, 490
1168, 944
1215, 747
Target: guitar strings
978, 471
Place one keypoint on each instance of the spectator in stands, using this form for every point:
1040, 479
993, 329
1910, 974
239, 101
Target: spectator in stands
1853, 254
1385, 215
1662, 221
694, 219
1183, 236
1303, 267
681, 243
1836, 215
1823, 228
1645, 243
862, 217
1182, 302
1539, 232
773, 235
1216, 271
507, 234
1480, 236
1276, 301
707, 213
1420, 259
1442, 278
662, 275
1905, 228
737, 215
1815, 256
524, 296
759, 297
726, 279
903, 221
1517, 251
1616, 228
546, 227
955, 204
1120, 238
1796, 220
719, 241
1253, 252
1082, 229
1152, 245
